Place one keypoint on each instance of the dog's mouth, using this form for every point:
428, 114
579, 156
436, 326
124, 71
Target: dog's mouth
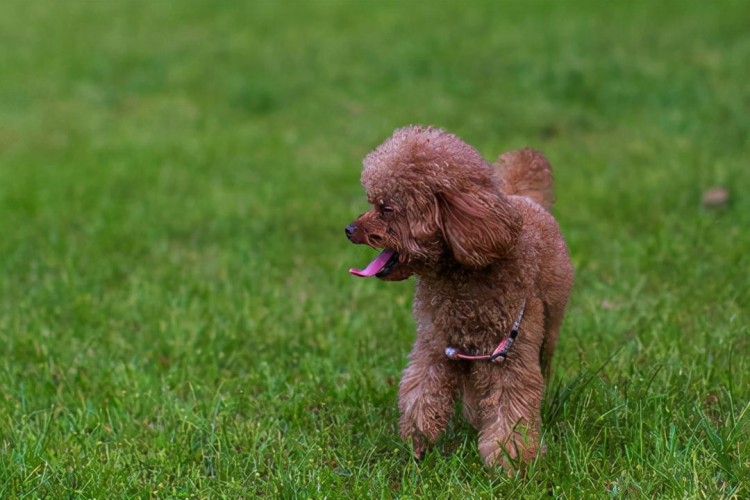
381, 267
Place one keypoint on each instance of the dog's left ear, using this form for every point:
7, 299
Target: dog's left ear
479, 227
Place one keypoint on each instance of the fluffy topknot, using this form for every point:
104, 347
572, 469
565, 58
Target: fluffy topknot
417, 154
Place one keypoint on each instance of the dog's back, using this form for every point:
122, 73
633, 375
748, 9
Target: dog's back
526, 172
525, 176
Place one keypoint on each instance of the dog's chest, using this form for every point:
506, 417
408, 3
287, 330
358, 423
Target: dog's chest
463, 319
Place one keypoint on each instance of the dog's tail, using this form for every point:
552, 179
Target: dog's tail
526, 172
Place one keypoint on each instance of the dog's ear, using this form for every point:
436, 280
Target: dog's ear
479, 227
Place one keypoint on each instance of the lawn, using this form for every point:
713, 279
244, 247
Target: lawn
175, 177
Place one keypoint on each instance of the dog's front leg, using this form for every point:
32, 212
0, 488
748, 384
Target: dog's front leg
510, 427
426, 396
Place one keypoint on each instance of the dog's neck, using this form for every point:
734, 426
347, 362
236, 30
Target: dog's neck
453, 276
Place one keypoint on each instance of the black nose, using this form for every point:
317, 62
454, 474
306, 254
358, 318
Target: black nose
350, 230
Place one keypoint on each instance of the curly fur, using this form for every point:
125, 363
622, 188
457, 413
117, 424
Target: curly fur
480, 239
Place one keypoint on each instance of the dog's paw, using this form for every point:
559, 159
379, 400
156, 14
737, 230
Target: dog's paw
418, 444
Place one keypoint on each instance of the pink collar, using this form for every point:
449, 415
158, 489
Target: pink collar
500, 352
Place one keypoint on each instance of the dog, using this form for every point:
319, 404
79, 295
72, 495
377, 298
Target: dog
493, 279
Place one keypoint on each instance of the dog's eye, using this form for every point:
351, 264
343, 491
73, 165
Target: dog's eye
384, 209
386, 212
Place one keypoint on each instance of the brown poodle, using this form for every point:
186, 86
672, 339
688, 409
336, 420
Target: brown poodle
493, 280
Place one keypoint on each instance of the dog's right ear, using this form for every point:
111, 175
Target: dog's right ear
479, 227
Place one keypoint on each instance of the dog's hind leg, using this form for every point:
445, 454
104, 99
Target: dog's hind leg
553, 317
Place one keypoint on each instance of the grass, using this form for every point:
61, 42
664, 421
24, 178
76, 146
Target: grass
175, 312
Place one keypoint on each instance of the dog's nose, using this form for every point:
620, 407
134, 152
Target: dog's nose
350, 229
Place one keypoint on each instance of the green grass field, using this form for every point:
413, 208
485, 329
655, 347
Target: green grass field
175, 313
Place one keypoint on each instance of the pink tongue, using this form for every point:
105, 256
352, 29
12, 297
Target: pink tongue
373, 267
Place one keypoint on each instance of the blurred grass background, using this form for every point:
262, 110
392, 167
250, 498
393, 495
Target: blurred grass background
175, 312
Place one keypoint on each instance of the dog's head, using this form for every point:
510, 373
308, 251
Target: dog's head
435, 203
